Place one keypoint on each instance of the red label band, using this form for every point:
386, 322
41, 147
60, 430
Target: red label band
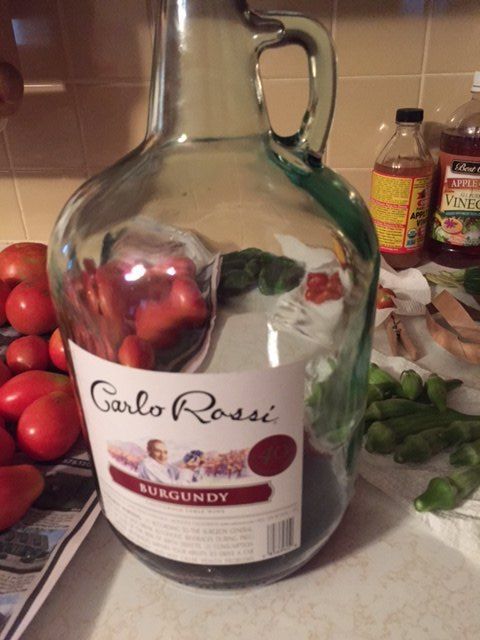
205, 497
462, 183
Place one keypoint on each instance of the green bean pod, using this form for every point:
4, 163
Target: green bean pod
383, 436
420, 447
379, 376
412, 384
467, 454
464, 430
392, 408
414, 423
437, 391
374, 393
380, 438
447, 492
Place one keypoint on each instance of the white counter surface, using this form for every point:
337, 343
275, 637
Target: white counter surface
382, 576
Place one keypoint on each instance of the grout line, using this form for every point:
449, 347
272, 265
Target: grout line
112, 82
119, 82
466, 74
15, 183
334, 19
62, 171
68, 59
428, 30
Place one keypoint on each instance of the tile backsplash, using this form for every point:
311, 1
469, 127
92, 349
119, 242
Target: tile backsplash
86, 67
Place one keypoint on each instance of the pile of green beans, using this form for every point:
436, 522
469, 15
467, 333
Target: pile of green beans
411, 420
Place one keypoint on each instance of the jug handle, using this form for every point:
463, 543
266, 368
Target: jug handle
315, 39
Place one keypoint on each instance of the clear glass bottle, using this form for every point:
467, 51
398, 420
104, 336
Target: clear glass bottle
454, 240
401, 191
216, 291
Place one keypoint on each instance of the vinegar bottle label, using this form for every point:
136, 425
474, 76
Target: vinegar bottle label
197, 467
457, 218
399, 208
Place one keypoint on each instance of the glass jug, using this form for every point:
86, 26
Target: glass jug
215, 289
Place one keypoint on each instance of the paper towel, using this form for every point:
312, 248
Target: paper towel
459, 528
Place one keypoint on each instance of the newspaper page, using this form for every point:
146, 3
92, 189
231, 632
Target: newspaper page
35, 551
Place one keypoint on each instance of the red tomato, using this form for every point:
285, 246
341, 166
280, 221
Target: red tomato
322, 287
187, 303
90, 289
156, 323
30, 310
20, 391
385, 298
49, 427
4, 293
5, 373
111, 301
317, 281
175, 267
23, 261
27, 353
20, 486
135, 352
56, 350
7, 446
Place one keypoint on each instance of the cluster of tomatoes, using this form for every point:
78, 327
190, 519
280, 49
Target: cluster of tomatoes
138, 310
38, 413
322, 287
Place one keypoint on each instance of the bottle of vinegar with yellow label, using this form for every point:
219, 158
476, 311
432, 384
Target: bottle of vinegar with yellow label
401, 191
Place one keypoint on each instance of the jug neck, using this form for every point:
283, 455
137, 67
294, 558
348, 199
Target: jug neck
205, 83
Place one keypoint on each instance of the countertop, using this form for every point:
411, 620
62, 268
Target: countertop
382, 576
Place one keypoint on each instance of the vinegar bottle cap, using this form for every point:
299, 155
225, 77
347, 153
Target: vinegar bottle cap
409, 115
476, 82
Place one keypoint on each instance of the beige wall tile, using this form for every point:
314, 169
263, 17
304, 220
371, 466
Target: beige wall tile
365, 117
44, 133
42, 196
320, 10
376, 38
11, 227
4, 164
108, 39
454, 43
114, 120
360, 179
284, 62
286, 102
39, 39
291, 61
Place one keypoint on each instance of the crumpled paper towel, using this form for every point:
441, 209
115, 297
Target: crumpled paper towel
459, 528
411, 288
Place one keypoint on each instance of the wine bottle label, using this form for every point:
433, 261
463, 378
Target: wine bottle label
399, 208
197, 467
457, 218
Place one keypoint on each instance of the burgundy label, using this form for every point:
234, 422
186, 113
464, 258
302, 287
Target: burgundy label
462, 183
205, 497
272, 455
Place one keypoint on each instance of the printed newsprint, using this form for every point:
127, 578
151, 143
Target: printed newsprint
35, 551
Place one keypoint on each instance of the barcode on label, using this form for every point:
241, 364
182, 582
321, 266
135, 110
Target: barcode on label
280, 536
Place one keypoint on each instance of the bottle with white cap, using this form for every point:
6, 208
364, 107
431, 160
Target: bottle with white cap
455, 230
